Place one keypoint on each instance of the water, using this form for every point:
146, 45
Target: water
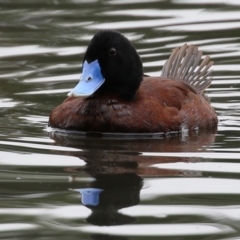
58, 186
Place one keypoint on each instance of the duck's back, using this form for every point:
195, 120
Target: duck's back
173, 105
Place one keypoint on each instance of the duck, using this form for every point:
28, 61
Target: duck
114, 95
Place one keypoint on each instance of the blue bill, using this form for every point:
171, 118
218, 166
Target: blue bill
90, 80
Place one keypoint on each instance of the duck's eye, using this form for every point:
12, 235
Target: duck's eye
112, 52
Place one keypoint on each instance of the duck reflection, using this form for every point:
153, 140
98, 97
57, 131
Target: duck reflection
109, 193
118, 166
133, 155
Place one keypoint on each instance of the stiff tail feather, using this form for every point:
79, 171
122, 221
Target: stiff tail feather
184, 65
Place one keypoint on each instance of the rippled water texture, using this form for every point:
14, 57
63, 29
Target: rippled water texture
69, 186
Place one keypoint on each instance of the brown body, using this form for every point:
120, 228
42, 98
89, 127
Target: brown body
160, 105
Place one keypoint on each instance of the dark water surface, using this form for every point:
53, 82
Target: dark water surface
75, 187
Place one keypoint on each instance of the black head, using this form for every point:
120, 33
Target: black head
120, 64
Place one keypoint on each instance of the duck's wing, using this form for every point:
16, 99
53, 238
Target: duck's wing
183, 64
